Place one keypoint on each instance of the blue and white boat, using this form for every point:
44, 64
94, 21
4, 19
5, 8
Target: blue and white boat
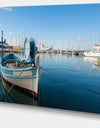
22, 72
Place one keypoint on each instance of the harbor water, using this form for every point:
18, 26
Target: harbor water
66, 82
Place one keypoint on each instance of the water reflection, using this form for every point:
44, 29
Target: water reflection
56, 93
95, 61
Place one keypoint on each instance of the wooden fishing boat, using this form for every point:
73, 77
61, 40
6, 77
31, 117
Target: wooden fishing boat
22, 72
17, 95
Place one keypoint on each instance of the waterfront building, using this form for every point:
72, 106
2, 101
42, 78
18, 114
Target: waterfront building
6, 47
42, 48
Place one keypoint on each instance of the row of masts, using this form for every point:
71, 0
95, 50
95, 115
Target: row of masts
69, 45
2, 43
74, 44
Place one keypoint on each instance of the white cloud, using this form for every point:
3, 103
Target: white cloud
7, 9
90, 33
79, 38
10, 32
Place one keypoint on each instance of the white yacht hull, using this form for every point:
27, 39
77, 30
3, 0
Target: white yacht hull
94, 54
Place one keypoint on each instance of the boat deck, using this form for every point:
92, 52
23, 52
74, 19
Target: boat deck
16, 65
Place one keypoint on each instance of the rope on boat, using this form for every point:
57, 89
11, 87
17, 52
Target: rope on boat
12, 85
68, 81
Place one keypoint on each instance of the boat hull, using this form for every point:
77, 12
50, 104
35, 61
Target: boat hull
92, 54
16, 95
26, 79
27, 84
19, 74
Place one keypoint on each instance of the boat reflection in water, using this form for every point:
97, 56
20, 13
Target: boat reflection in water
97, 64
17, 95
95, 61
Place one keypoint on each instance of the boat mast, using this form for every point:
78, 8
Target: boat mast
2, 42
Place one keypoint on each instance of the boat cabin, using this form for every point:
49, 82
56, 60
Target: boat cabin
97, 47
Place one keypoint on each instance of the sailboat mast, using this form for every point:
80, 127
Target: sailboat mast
2, 42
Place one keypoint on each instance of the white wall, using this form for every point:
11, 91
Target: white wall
43, 2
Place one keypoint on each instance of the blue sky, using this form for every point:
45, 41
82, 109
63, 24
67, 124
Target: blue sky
62, 26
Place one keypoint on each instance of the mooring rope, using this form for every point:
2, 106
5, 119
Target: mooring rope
68, 81
12, 85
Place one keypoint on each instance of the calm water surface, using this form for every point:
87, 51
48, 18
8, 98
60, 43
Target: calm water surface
57, 93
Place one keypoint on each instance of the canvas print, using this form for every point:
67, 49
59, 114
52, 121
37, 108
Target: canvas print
50, 56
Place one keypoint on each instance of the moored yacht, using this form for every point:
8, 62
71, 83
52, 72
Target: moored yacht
95, 53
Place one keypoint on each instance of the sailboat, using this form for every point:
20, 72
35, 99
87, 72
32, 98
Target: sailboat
22, 72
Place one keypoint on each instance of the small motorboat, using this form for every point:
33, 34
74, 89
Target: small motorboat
22, 72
